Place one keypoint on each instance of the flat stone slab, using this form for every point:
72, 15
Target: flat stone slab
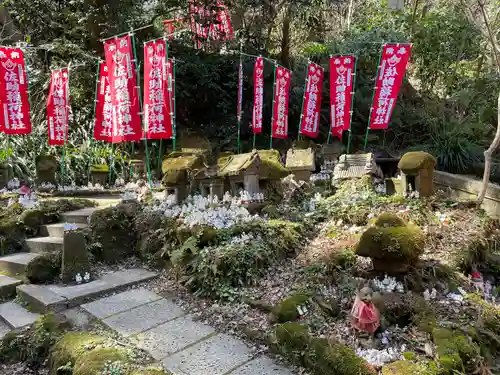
8, 286
216, 355
172, 336
44, 244
144, 317
77, 294
4, 329
57, 229
41, 299
79, 216
16, 316
16, 263
118, 303
261, 366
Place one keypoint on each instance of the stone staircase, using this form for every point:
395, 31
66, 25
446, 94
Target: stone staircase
40, 299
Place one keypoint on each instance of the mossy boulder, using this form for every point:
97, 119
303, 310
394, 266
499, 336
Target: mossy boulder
392, 244
405, 368
70, 347
286, 310
411, 162
113, 228
46, 166
32, 218
45, 268
455, 351
94, 361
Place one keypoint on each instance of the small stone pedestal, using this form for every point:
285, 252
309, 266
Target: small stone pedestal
4, 175
46, 166
75, 258
99, 174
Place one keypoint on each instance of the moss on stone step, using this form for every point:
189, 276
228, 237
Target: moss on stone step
94, 361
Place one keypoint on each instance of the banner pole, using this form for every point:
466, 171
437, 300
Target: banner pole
240, 98
92, 128
138, 77
63, 160
329, 136
274, 103
353, 94
373, 97
253, 148
174, 140
303, 98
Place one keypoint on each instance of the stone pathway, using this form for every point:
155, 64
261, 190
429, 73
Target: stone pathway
170, 335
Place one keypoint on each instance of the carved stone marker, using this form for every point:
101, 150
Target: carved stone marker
75, 259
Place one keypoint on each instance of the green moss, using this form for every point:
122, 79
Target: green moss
404, 368
99, 168
396, 243
290, 337
455, 352
286, 311
70, 347
45, 268
409, 356
178, 167
32, 218
270, 165
388, 219
411, 162
94, 361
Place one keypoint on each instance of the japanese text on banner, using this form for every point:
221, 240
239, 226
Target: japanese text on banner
240, 92
15, 118
124, 94
157, 105
281, 97
258, 95
103, 123
58, 107
341, 91
388, 82
312, 101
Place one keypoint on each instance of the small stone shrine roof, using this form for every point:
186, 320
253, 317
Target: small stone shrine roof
300, 159
265, 163
412, 162
179, 167
355, 166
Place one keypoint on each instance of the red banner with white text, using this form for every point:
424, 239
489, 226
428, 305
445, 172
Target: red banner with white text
341, 90
210, 21
124, 91
388, 82
157, 105
15, 107
103, 123
310, 118
258, 95
280, 107
58, 107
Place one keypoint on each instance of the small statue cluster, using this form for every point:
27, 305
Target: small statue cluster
325, 172
246, 197
143, 191
79, 279
484, 287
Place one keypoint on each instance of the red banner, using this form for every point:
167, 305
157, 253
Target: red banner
240, 92
341, 91
312, 101
390, 76
103, 123
124, 94
258, 95
157, 105
223, 26
15, 106
58, 107
169, 26
280, 107
206, 22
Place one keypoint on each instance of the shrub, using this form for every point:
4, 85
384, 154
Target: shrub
45, 268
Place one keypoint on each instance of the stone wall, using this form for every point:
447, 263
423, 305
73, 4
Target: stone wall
463, 188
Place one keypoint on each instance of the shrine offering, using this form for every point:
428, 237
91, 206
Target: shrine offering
15, 117
312, 101
157, 104
365, 316
342, 70
280, 105
124, 90
58, 107
258, 95
103, 123
390, 76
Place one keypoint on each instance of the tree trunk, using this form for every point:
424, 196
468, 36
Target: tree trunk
285, 39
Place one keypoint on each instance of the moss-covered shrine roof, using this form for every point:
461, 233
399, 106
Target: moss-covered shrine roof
267, 161
411, 162
179, 167
300, 159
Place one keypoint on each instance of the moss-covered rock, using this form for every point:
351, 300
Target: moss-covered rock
405, 368
392, 244
113, 228
33, 346
94, 361
412, 162
70, 347
46, 166
455, 351
289, 337
45, 268
286, 310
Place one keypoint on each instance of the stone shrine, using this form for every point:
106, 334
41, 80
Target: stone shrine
417, 173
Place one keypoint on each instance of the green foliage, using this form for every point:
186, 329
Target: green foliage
45, 268
286, 310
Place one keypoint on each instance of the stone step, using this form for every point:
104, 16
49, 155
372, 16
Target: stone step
79, 216
44, 244
4, 329
44, 298
15, 264
16, 316
57, 230
8, 286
